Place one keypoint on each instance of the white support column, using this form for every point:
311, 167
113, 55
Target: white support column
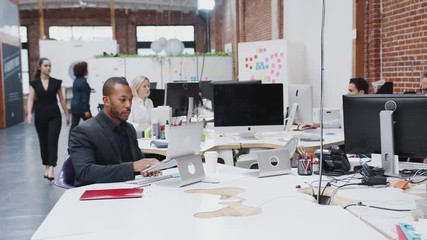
274, 19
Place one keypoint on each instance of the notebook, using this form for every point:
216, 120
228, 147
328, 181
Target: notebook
274, 162
117, 193
183, 140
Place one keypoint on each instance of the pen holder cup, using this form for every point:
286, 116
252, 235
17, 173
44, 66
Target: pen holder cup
304, 167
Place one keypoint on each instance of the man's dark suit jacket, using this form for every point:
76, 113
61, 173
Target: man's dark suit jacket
95, 153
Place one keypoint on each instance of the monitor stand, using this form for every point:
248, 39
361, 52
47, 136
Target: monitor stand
387, 143
190, 109
290, 118
247, 135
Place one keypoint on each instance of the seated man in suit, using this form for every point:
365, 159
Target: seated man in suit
104, 148
356, 86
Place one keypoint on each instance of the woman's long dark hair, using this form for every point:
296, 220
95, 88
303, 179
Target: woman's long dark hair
38, 72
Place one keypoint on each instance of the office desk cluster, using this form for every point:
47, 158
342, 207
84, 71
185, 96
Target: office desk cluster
241, 206
224, 144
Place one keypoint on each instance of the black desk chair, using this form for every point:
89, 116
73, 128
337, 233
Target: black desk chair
100, 107
67, 175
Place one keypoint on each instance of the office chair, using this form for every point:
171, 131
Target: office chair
67, 175
100, 107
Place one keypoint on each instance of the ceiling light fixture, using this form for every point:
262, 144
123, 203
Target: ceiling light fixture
205, 4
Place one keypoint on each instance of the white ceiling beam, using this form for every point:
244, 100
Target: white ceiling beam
174, 5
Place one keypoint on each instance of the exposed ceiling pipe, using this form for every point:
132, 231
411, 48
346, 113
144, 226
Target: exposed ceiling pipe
41, 20
113, 18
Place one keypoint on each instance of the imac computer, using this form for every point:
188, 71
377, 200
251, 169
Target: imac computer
248, 108
206, 91
153, 85
157, 96
386, 123
206, 88
300, 107
179, 95
386, 88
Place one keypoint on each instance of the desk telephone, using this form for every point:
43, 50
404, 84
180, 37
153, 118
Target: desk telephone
335, 162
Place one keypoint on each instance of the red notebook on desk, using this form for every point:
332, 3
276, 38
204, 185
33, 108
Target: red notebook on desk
112, 193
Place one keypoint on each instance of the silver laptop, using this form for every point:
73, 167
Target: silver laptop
183, 150
274, 162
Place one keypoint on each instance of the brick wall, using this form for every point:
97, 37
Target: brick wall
244, 21
400, 32
126, 22
256, 22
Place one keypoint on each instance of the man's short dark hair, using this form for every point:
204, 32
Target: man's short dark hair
360, 84
80, 69
108, 87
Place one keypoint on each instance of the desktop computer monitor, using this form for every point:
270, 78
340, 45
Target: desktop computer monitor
178, 94
300, 94
248, 108
206, 90
386, 88
157, 96
153, 85
206, 87
362, 123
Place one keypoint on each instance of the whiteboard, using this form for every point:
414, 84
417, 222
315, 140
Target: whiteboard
100, 69
179, 68
263, 60
148, 67
64, 54
215, 68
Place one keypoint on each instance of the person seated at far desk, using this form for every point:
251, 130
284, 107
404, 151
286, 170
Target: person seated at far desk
104, 148
423, 90
140, 115
356, 86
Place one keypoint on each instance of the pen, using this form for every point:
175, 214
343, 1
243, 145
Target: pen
144, 185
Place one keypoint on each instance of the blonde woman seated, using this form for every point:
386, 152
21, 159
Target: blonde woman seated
140, 115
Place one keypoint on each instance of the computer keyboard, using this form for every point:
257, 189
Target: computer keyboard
146, 180
309, 137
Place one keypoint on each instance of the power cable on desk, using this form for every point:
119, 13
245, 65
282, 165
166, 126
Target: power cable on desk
412, 181
376, 207
420, 171
329, 184
269, 201
353, 184
345, 185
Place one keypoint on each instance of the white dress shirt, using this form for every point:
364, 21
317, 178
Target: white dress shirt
140, 115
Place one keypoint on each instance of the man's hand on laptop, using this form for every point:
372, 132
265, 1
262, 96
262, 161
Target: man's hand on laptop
141, 165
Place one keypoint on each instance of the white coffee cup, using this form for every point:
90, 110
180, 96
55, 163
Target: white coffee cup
211, 160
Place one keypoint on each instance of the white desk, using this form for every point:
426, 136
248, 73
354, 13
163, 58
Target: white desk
167, 212
394, 198
225, 143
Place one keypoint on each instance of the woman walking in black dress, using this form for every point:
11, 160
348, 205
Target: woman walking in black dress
43, 91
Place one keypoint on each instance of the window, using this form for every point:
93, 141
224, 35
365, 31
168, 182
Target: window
84, 33
145, 35
23, 34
